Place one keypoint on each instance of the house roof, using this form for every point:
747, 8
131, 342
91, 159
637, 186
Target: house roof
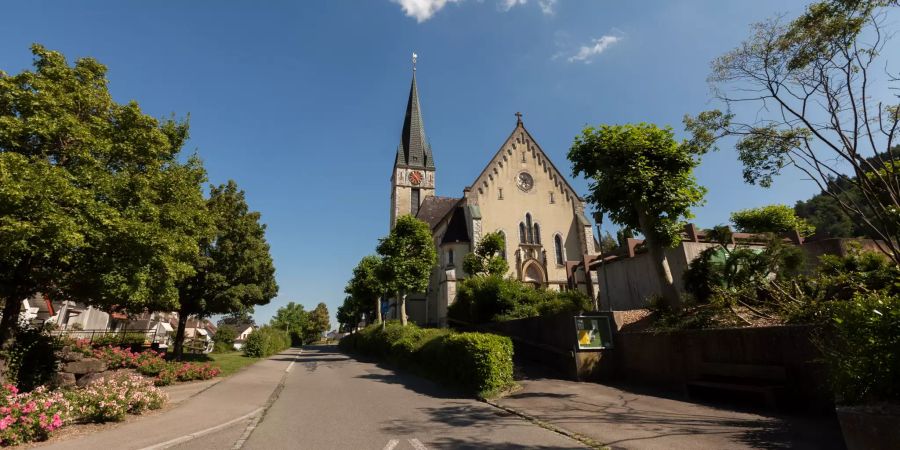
414, 149
457, 230
434, 208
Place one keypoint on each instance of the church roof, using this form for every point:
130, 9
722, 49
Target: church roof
457, 230
434, 208
414, 150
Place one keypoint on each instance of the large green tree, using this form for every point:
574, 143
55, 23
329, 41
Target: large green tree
366, 283
319, 322
293, 319
408, 256
95, 203
487, 259
349, 314
642, 178
234, 269
814, 81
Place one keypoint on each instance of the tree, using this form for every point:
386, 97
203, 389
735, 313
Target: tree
366, 283
642, 178
771, 219
238, 318
488, 257
95, 203
608, 243
813, 79
408, 255
293, 319
348, 314
319, 322
224, 338
233, 268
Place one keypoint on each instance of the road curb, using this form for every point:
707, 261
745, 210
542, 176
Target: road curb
548, 426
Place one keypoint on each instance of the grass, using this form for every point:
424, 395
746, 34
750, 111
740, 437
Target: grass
228, 363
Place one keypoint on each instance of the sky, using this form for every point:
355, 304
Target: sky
302, 103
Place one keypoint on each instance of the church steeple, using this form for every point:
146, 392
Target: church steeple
414, 150
412, 180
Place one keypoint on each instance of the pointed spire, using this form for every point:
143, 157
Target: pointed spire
414, 150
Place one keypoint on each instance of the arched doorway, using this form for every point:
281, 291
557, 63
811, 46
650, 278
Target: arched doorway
534, 274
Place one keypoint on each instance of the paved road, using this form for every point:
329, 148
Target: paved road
330, 401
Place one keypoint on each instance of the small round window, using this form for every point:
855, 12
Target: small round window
525, 181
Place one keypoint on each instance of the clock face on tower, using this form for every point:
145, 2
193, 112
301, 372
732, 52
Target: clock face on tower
415, 177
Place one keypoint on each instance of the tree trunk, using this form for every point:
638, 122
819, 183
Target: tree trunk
402, 298
11, 310
670, 295
378, 318
179, 335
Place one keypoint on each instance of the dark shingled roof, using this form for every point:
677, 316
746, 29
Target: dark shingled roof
414, 150
457, 231
434, 208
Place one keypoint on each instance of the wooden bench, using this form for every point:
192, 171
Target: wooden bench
761, 381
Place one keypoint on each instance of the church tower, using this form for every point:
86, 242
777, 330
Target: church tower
413, 177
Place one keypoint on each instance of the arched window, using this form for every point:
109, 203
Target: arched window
522, 234
529, 229
557, 242
503, 250
537, 234
450, 257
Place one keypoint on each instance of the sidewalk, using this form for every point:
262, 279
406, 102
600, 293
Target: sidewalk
231, 402
623, 419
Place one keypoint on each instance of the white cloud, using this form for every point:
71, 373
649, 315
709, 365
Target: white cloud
422, 10
509, 4
587, 53
547, 6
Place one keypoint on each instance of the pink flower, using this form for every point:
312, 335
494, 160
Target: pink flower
31, 406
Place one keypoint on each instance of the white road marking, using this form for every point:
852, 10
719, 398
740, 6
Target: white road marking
417, 444
291, 365
391, 444
188, 437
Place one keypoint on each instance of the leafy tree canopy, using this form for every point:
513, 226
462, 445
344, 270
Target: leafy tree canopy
408, 255
771, 219
488, 256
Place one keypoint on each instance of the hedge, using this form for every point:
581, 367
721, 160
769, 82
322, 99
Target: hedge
478, 363
266, 341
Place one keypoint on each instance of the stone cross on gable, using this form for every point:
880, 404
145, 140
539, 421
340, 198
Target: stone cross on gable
518, 117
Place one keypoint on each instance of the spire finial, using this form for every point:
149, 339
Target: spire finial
518, 118
415, 57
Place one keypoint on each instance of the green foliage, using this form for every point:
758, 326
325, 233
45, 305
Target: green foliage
771, 219
478, 363
119, 338
488, 257
862, 348
349, 314
640, 169
95, 200
319, 322
224, 339
294, 320
408, 256
233, 264
366, 287
493, 298
266, 341
31, 359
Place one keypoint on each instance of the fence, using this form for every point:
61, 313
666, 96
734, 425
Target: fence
109, 337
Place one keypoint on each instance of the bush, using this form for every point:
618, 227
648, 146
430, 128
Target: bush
30, 416
862, 348
478, 363
483, 299
111, 398
266, 341
186, 371
31, 360
224, 339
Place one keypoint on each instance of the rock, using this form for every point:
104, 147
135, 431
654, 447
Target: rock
62, 379
86, 365
89, 378
67, 355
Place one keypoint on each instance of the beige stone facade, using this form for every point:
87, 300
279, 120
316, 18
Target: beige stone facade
520, 193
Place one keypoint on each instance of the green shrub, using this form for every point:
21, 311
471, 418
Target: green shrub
478, 363
266, 341
862, 348
31, 359
483, 299
224, 339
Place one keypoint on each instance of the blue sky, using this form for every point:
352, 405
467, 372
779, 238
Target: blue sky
302, 102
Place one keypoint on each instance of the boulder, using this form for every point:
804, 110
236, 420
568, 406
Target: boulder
89, 378
62, 379
86, 365
67, 355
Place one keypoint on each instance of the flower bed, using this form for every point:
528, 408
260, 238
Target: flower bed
152, 364
111, 398
30, 416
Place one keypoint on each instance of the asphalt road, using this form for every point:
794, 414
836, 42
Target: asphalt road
330, 401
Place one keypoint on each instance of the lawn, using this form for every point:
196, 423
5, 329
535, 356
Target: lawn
228, 363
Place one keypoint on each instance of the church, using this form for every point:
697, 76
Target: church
519, 193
